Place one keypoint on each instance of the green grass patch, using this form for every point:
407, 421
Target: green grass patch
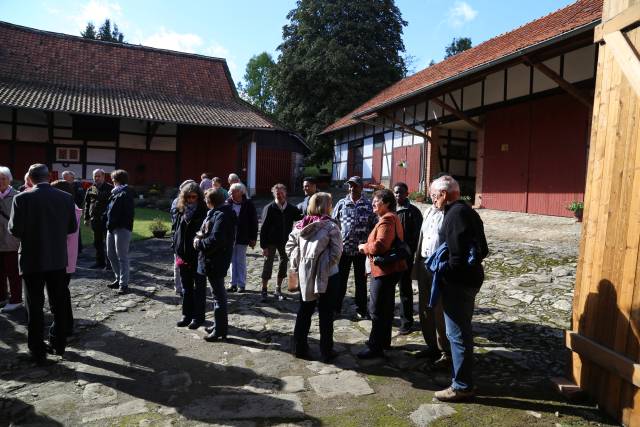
141, 222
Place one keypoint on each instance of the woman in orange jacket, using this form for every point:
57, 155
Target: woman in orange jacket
385, 275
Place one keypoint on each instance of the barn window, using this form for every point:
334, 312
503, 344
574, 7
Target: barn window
67, 154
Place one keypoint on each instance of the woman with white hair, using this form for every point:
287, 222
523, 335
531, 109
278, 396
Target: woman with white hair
8, 248
246, 234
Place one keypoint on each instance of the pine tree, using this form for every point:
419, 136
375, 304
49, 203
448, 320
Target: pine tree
89, 31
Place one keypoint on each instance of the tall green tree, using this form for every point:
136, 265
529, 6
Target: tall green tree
104, 33
259, 78
89, 31
457, 45
334, 56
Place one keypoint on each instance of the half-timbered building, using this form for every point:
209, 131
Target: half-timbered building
509, 118
164, 116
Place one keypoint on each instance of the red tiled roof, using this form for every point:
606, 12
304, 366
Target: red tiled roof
578, 14
58, 72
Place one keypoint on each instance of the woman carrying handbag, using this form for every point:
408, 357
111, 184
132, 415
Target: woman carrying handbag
384, 249
314, 248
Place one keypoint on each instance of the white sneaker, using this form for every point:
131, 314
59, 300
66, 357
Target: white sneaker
11, 307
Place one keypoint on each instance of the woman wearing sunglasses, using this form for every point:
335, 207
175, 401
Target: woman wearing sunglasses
190, 212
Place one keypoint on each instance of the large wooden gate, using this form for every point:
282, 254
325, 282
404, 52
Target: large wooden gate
605, 336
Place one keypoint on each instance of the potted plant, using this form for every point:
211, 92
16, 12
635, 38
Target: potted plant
418, 196
158, 227
577, 208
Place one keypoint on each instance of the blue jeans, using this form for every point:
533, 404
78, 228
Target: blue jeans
458, 302
118, 254
239, 266
220, 315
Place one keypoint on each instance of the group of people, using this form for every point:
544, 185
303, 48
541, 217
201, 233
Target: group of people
40, 241
387, 238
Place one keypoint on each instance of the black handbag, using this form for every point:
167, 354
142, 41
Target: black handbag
399, 251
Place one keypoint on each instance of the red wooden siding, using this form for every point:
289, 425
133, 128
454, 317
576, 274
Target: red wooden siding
26, 155
205, 149
376, 173
148, 167
535, 156
504, 183
558, 161
412, 156
272, 167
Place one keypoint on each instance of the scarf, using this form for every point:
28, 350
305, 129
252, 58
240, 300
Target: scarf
189, 210
118, 188
5, 193
310, 219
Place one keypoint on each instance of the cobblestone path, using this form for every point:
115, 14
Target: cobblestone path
129, 365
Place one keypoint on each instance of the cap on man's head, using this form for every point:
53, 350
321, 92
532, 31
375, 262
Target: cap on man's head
356, 180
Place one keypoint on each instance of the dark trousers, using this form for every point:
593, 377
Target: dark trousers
360, 278
406, 297
326, 307
34, 285
431, 318
99, 234
9, 272
383, 297
67, 280
458, 301
220, 315
194, 293
267, 268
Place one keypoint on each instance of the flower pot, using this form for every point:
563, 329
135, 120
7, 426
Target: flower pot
159, 233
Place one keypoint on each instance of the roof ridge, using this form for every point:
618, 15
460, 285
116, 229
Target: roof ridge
113, 44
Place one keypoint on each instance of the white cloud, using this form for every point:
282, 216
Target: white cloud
461, 13
97, 11
168, 39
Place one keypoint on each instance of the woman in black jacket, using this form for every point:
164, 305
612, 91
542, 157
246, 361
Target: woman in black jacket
189, 214
119, 224
214, 243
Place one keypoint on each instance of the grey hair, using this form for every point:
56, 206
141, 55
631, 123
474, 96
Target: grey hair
65, 173
446, 183
238, 186
38, 173
95, 171
234, 177
185, 183
6, 172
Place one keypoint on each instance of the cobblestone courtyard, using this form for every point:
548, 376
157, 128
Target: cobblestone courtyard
129, 365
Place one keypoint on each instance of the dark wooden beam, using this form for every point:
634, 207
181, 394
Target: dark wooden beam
568, 87
152, 128
406, 127
459, 114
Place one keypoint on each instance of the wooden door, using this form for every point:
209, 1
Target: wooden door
605, 335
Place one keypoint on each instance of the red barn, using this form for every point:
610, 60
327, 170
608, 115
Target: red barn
509, 118
164, 116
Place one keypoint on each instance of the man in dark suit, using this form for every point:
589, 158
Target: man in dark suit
42, 218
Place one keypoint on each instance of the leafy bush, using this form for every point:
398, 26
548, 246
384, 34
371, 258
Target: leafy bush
575, 206
158, 225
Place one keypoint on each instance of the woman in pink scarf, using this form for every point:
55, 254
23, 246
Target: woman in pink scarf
72, 248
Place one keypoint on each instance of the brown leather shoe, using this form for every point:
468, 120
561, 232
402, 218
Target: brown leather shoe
451, 394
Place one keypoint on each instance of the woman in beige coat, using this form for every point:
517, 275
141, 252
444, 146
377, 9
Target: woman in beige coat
314, 250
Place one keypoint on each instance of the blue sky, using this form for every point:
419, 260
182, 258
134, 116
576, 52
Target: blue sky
239, 29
